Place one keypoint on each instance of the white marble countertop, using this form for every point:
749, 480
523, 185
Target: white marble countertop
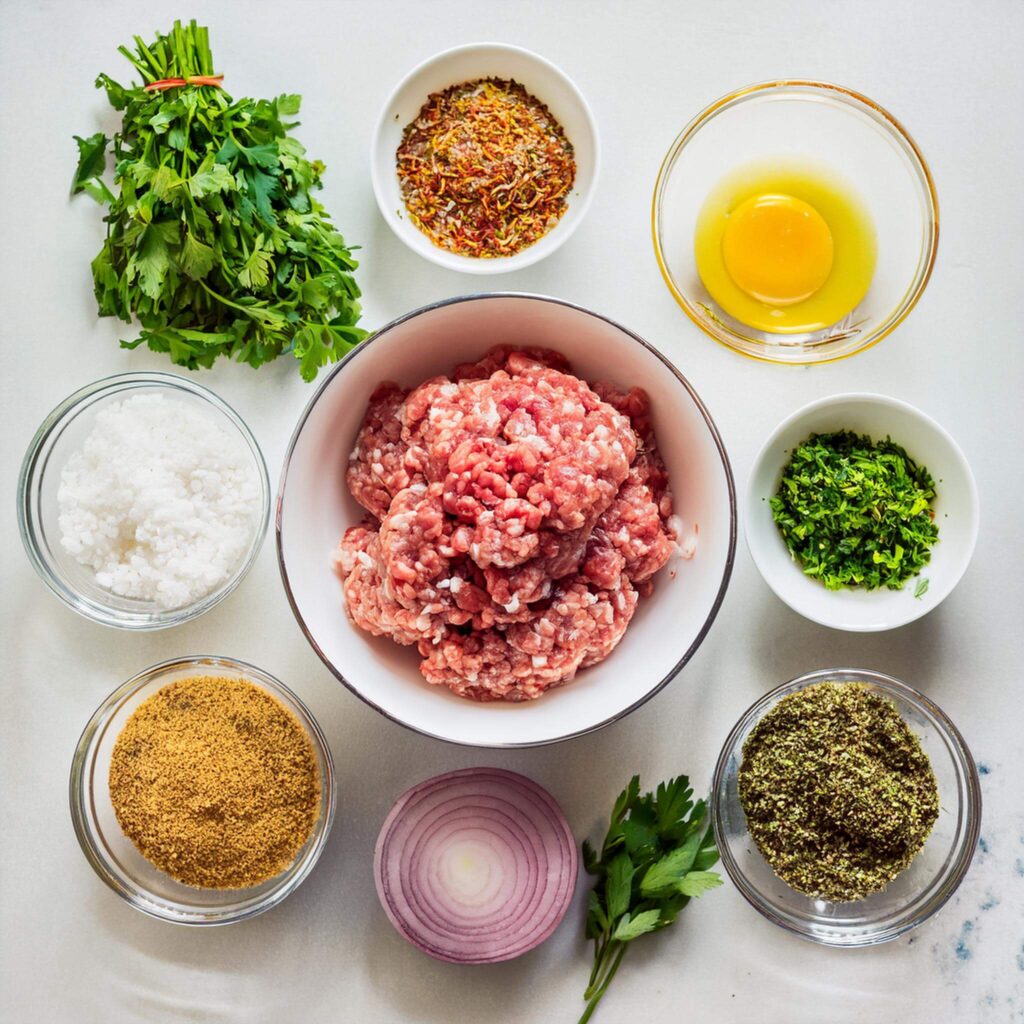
72, 952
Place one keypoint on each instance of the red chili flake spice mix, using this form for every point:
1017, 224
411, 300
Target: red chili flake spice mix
485, 168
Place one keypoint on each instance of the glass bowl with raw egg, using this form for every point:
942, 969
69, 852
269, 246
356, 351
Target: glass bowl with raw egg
795, 221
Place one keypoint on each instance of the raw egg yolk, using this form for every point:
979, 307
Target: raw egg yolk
777, 248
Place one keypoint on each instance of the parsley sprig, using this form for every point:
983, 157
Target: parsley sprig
856, 513
215, 243
654, 859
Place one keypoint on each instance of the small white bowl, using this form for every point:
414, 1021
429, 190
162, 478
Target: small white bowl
467, 63
955, 505
314, 509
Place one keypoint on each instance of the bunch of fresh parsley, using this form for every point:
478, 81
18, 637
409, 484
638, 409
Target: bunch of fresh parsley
856, 513
654, 859
215, 243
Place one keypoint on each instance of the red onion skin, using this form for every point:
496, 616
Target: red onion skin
501, 812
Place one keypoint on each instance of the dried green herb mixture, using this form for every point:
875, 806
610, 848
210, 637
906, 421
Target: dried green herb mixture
856, 513
838, 794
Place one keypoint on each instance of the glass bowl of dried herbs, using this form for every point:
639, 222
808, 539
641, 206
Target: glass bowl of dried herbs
846, 806
202, 791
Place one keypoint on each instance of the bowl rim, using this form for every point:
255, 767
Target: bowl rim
701, 408
27, 526
82, 766
852, 98
502, 264
970, 809
918, 609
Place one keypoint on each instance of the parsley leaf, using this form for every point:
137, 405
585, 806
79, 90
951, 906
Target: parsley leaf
255, 271
92, 160
196, 258
210, 179
629, 928
696, 883
215, 244
153, 258
618, 885
655, 857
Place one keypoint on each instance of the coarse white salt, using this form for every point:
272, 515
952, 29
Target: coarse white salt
161, 501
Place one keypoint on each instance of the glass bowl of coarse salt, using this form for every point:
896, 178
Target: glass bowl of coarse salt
143, 500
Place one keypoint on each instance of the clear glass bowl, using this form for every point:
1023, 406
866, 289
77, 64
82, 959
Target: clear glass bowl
829, 124
913, 896
62, 433
113, 856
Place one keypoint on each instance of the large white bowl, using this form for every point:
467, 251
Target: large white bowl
955, 505
314, 508
465, 64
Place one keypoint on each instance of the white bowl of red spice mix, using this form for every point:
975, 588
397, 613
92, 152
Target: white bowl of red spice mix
401, 560
485, 158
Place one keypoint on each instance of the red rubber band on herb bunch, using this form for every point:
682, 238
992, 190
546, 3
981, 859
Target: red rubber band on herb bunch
173, 83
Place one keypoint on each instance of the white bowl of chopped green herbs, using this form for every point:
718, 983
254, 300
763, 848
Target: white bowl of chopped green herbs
861, 512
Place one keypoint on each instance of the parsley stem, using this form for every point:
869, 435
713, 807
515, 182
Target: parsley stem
600, 946
594, 995
655, 857
255, 312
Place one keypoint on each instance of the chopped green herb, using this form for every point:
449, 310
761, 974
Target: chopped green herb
214, 242
856, 513
655, 857
921, 589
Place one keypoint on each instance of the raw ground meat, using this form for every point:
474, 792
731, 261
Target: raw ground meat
512, 360
380, 464
630, 538
517, 514
358, 562
579, 627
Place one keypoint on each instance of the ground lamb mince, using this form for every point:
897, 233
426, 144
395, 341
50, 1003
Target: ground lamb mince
515, 516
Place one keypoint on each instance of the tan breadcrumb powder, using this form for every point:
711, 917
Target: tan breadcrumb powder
215, 782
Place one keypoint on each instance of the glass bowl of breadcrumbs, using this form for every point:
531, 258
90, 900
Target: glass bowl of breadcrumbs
202, 791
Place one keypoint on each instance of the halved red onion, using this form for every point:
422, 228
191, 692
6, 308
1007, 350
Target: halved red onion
476, 866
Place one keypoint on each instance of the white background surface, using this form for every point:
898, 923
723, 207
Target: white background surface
72, 952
